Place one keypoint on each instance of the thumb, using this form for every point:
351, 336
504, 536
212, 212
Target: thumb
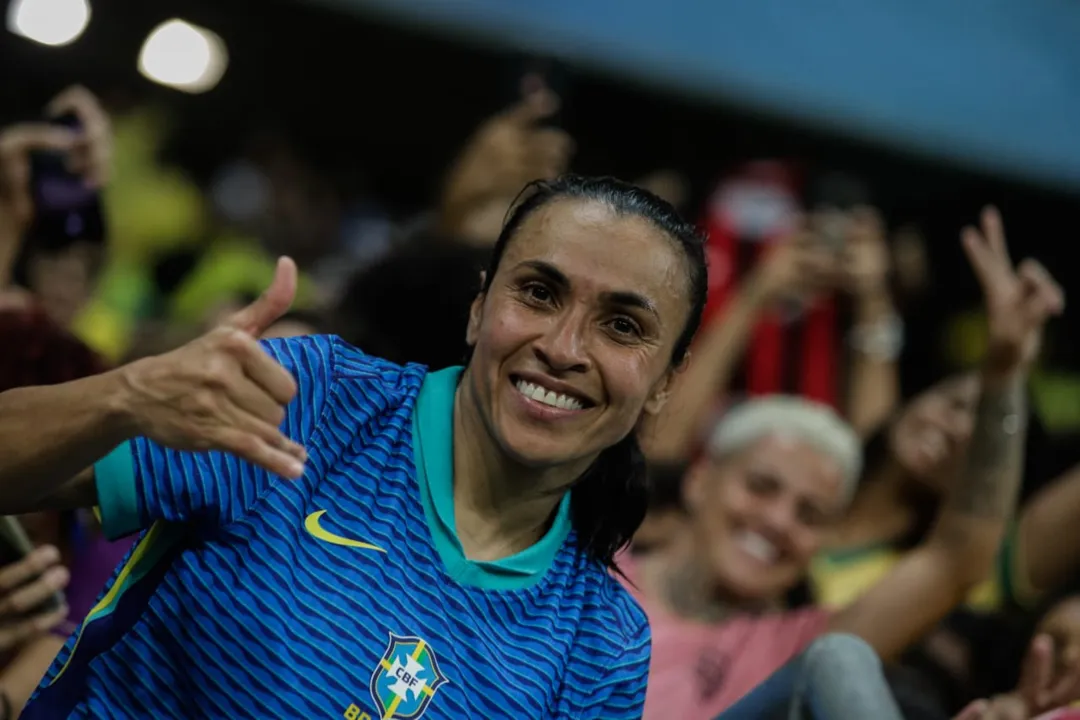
24, 138
1038, 667
1038, 282
271, 305
974, 711
537, 104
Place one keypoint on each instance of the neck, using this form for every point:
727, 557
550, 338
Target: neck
879, 512
501, 506
677, 577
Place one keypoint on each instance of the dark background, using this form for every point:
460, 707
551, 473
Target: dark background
382, 109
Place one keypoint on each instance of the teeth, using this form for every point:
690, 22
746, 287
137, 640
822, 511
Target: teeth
757, 546
548, 397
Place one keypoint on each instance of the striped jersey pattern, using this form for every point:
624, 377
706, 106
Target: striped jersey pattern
251, 596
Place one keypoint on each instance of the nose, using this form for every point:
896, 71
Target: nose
779, 517
563, 347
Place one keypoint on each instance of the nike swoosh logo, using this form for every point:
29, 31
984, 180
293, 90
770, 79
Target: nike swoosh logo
311, 524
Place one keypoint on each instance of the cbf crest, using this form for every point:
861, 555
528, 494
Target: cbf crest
406, 679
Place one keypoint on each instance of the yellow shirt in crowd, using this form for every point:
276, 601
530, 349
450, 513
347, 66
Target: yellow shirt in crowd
840, 577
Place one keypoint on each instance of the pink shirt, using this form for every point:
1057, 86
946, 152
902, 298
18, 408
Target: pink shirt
699, 670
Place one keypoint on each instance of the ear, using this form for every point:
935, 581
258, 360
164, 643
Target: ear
476, 314
663, 389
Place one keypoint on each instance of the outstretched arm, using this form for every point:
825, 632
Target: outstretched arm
669, 437
935, 577
220, 392
959, 552
88, 152
1048, 537
798, 267
877, 335
51, 434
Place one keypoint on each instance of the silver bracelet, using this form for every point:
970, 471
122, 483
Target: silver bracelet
883, 339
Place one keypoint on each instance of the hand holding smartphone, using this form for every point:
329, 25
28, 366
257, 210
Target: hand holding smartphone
21, 592
67, 207
834, 198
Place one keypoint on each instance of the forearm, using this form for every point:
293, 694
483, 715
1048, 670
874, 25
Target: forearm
974, 516
1049, 535
874, 389
670, 435
51, 434
467, 183
935, 577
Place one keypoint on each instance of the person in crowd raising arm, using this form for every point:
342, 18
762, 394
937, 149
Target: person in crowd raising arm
780, 470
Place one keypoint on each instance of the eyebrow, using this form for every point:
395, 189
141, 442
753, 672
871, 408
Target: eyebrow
624, 298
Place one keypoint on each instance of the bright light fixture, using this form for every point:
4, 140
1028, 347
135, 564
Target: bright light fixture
183, 56
49, 22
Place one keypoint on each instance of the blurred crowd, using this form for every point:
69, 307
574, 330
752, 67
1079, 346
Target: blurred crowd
802, 336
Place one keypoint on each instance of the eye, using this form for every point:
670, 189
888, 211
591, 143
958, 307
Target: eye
812, 516
761, 483
537, 294
625, 327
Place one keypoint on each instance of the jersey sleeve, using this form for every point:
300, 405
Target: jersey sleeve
140, 481
610, 684
622, 693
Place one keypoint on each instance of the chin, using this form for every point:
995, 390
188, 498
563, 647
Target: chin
537, 438
532, 449
749, 590
749, 586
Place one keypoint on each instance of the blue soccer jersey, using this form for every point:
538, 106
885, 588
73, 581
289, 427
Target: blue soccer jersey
344, 594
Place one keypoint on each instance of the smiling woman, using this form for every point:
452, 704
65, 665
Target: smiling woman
594, 291
448, 543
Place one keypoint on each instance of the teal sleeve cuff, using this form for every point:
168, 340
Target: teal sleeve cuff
114, 476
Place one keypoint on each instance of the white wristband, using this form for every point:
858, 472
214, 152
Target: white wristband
883, 339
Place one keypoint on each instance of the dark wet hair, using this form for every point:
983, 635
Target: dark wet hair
609, 501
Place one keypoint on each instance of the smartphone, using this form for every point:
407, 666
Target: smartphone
65, 208
14, 546
832, 198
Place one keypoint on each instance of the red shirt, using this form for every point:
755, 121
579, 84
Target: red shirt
793, 351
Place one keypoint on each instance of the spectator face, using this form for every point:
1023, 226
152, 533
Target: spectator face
64, 281
759, 515
931, 434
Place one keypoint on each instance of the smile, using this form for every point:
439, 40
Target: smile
540, 394
757, 546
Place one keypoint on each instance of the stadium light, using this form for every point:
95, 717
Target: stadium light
183, 56
49, 22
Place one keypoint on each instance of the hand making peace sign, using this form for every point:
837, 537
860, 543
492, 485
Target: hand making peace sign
1018, 300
